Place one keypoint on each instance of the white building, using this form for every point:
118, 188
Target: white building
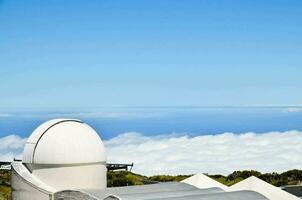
66, 159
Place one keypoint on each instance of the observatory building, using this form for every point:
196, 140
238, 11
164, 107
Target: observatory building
66, 159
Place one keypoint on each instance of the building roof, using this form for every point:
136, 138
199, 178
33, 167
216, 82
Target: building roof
293, 189
202, 181
163, 191
255, 184
64, 141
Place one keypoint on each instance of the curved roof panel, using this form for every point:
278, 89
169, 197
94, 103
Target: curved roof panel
64, 141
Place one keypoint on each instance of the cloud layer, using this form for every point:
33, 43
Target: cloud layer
224, 153
293, 110
11, 146
181, 154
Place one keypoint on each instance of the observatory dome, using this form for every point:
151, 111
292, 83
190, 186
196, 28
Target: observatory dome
64, 141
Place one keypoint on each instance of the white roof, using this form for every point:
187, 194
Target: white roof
202, 181
264, 188
64, 141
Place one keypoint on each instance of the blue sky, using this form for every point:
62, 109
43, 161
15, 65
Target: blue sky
150, 53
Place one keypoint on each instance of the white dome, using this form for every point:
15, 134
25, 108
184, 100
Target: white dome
64, 141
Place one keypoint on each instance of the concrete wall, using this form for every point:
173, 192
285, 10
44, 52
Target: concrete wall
23, 190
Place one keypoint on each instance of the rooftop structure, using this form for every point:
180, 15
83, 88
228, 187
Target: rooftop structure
66, 159
293, 189
118, 167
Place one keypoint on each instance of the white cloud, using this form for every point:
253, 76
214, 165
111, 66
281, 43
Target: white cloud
5, 115
224, 153
11, 146
176, 154
293, 110
105, 114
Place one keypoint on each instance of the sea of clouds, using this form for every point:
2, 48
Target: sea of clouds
182, 154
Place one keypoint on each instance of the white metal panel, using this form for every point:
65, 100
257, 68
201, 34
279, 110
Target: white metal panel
69, 143
28, 152
64, 141
92, 176
38, 132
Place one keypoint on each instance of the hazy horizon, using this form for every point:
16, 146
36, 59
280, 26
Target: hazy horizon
264, 138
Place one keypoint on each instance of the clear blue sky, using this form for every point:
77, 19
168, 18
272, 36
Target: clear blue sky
150, 53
